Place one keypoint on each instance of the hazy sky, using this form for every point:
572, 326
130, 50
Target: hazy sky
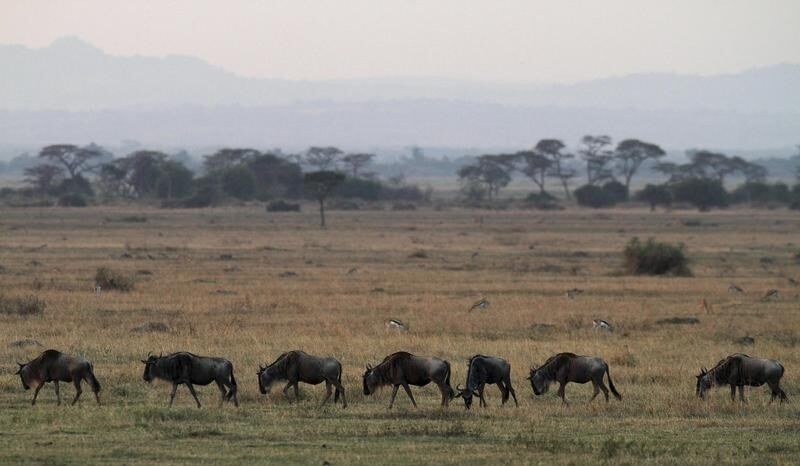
509, 40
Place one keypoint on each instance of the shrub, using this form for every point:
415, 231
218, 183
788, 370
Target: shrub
239, 182
594, 197
72, 200
362, 188
543, 201
701, 193
282, 206
108, 279
616, 190
23, 306
655, 195
655, 258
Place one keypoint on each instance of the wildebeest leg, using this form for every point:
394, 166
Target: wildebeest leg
733, 392
172, 395
511, 390
604, 388
503, 393
561, 392
191, 389
78, 391
58, 392
340, 388
596, 391
741, 394
480, 395
297, 391
394, 394
286, 391
223, 392
36, 393
328, 393
408, 392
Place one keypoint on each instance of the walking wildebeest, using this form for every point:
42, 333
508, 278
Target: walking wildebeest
404, 369
297, 366
738, 370
55, 366
568, 367
190, 369
483, 370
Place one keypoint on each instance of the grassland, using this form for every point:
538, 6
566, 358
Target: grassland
217, 279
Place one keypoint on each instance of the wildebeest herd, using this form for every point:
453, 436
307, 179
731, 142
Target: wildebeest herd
401, 369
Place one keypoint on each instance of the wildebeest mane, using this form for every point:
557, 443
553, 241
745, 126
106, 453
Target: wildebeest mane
174, 366
281, 363
389, 365
728, 368
554, 363
470, 371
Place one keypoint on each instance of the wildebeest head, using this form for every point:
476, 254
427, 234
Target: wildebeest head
371, 380
264, 380
703, 382
24, 375
149, 364
466, 395
539, 383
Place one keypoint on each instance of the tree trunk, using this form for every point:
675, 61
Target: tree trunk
322, 213
566, 189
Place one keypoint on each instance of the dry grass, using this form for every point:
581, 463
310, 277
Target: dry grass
217, 284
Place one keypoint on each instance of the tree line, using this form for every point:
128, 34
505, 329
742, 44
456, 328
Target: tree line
609, 171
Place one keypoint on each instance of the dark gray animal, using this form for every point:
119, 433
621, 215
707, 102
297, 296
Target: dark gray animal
568, 367
404, 369
738, 370
483, 370
190, 369
297, 366
55, 366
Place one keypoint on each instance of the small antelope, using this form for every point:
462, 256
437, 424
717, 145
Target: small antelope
602, 325
771, 294
573, 293
735, 289
396, 325
482, 304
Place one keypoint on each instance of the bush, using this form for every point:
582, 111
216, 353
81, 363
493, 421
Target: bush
282, 206
239, 182
594, 197
362, 188
655, 258
655, 195
72, 200
23, 306
764, 193
616, 190
701, 193
108, 279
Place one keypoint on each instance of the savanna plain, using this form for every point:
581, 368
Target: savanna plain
246, 285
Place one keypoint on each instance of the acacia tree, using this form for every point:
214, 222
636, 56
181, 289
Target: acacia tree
74, 159
320, 185
323, 158
227, 158
492, 171
44, 178
553, 149
597, 156
535, 166
356, 161
630, 154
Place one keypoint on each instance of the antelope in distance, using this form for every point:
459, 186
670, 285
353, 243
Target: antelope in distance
602, 325
404, 369
396, 325
573, 293
190, 369
297, 366
735, 289
55, 366
738, 370
480, 304
487, 370
568, 367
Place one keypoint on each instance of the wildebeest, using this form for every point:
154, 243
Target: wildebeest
190, 369
404, 369
483, 370
738, 370
55, 366
297, 366
568, 367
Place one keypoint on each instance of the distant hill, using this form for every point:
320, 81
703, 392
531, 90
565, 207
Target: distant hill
72, 91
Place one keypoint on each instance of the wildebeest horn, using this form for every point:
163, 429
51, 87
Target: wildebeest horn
458, 387
369, 367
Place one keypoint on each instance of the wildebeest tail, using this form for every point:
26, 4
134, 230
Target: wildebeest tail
337, 393
447, 381
611, 385
93, 380
233, 389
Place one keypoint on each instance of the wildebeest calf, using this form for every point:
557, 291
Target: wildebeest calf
190, 369
483, 370
568, 367
297, 366
55, 366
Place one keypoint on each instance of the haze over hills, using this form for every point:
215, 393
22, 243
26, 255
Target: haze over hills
71, 91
